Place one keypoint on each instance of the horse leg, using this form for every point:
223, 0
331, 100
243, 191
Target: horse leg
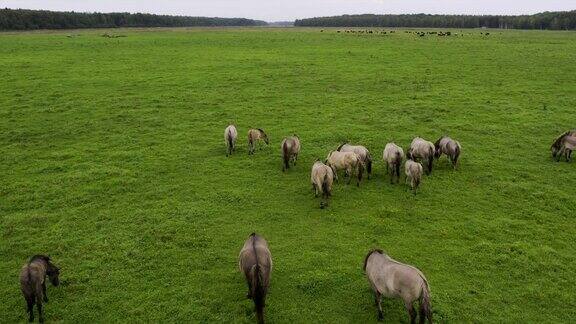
39, 305
30, 303
411, 312
44, 291
378, 300
315, 188
569, 155
349, 172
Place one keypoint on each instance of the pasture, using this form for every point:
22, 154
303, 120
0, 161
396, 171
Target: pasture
113, 162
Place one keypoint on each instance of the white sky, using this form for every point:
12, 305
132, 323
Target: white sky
275, 10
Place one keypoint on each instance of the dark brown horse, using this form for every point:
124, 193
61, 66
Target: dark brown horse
33, 282
256, 264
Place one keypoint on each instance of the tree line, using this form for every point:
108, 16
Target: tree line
562, 20
23, 19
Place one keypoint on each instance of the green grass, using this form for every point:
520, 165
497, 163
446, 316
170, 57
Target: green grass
113, 162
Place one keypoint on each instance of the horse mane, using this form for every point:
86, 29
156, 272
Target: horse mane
261, 130
369, 254
559, 139
437, 143
340, 147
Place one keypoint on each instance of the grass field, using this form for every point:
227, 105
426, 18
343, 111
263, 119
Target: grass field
113, 162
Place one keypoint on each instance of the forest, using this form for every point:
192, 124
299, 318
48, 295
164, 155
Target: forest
565, 20
22, 19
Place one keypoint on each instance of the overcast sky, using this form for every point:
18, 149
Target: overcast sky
275, 10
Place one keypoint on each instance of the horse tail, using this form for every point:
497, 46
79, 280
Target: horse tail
325, 188
230, 140
397, 164
430, 160
360, 171
258, 291
425, 308
368, 163
286, 154
456, 154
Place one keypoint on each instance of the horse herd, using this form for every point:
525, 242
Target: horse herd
387, 277
355, 160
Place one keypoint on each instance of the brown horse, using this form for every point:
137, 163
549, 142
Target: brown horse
450, 147
413, 172
230, 136
33, 282
290, 149
255, 135
322, 178
348, 161
392, 279
256, 264
393, 155
564, 145
362, 153
421, 149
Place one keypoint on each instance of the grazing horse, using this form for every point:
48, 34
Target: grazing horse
322, 178
392, 279
230, 136
33, 282
448, 146
423, 150
255, 135
564, 145
348, 161
413, 172
362, 153
393, 155
256, 264
290, 149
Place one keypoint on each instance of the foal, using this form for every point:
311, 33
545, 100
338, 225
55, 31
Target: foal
230, 136
448, 146
33, 282
413, 172
348, 161
290, 149
392, 279
256, 264
255, 135
393, 155
322, 178
423, 150
362, 153
564, 145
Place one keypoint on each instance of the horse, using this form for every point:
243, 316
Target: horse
33, 282
230, 136
348, 161
392, 279
413, 172
393, 155
322, 178
448, 146
362, 153
290, 149
423, 150
255, 135
564, 145
255, 261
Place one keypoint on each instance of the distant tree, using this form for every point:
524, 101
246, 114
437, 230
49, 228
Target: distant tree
21, 19
565, 20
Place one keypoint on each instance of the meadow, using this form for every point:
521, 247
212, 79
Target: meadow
113, 162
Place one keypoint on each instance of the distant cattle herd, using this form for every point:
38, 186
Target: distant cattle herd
387, 277
415, 32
